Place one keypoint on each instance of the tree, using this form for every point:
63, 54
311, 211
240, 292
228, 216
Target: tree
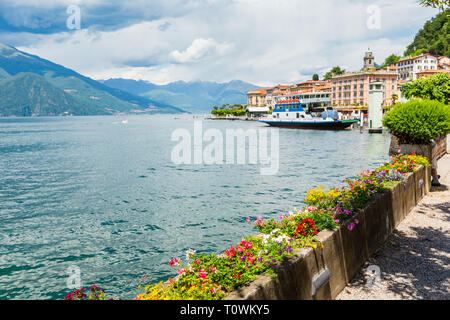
435, 87
435, 35
441, 4
391, 60
315, 77
334, 71
419, 52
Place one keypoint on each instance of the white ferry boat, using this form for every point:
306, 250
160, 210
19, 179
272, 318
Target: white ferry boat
291, 113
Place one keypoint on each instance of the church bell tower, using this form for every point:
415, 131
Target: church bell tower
369, 60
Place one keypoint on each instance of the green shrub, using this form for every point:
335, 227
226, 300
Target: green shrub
418, 121
435, 87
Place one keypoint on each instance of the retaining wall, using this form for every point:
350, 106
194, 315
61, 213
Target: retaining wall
322, 273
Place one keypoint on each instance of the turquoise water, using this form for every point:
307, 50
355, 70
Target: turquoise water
105, 196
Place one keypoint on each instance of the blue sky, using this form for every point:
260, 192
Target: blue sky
264, 42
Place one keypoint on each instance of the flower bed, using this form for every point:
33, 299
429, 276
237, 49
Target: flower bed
294, 238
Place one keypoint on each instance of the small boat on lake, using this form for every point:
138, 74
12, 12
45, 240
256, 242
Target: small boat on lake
291, 113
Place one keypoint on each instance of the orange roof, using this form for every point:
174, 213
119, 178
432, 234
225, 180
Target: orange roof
257, 91
312, 81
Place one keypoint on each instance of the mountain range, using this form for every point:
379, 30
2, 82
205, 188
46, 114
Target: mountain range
195, 96
32, 86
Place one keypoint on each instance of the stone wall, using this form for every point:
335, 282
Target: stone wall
322, 273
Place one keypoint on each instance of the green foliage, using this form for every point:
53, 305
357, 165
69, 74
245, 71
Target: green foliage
391, 60
441, 4
418, 121
226, 109
315, 77
435, 34
335, 71
435, 87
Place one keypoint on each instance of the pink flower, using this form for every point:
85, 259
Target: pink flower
174, 262
202, 274
248, 219
351, 226
181, 271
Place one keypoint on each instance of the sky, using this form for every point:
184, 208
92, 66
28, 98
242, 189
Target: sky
264, 42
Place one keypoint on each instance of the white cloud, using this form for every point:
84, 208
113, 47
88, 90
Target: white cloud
259, 41
199, 49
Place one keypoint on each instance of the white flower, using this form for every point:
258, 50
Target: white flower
274, 231
265, 238
189, 253
261, 251
281, 238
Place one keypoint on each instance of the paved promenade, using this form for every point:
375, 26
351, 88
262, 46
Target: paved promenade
415, 260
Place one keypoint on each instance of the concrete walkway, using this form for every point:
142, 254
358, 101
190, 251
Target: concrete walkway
414, 262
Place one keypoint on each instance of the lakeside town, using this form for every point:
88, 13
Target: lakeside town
346, 92
119, 206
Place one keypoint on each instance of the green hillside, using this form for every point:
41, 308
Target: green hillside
28, 94
435, 35
96, 96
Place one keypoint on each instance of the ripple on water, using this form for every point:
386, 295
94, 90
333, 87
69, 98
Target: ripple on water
82, 192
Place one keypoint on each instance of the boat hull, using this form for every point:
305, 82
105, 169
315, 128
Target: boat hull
312, 125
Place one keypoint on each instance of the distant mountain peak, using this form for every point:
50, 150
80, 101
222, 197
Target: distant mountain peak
13, 62
194, 96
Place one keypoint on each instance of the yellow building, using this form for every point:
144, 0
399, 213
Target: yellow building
257, 98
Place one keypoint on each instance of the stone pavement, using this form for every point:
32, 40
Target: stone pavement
414, 263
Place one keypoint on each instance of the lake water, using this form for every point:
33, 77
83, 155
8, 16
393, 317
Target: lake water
104, 196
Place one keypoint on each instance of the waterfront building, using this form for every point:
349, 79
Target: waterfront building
443, 62
352, 88
311, 86
408, 68
256, 98
350, 91
264, 98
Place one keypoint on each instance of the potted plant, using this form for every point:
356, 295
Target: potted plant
416, 125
